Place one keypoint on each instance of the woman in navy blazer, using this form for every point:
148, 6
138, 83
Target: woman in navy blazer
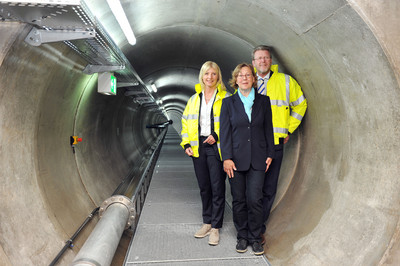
247, 149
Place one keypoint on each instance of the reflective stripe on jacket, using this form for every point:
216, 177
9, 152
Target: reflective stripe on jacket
288, 103
190, 119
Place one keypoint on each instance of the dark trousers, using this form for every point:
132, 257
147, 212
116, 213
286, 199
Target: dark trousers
271, 183
247, 203
211, 179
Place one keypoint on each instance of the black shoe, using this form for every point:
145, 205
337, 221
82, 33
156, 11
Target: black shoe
241, 245
257, 248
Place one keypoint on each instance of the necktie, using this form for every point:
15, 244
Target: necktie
261, 87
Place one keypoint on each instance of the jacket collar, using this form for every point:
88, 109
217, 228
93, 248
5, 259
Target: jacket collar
217, 95
255, 109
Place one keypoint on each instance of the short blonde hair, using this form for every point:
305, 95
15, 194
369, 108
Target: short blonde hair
204, 68
235, 73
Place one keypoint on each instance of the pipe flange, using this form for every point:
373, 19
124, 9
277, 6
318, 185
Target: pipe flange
121, 199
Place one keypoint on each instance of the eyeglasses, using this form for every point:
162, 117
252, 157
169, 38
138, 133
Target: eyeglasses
243, 76
261, 58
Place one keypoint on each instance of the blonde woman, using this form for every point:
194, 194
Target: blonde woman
200, 140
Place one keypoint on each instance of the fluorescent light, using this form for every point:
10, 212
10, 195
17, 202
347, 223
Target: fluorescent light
119, 14
153, 87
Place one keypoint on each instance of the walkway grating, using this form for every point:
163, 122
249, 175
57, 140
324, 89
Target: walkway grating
172, 214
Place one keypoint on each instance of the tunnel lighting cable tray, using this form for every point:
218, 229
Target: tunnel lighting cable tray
72, 22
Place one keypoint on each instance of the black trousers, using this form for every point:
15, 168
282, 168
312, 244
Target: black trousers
211, 179
271, 183
247, 203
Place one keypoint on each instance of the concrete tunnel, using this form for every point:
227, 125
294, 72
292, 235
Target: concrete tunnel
338, 201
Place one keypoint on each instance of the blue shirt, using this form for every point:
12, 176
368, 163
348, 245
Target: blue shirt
247, 102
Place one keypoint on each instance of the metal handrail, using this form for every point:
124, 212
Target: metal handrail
145, 173
144, 177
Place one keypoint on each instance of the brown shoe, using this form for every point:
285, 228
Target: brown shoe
203, 231
213, 239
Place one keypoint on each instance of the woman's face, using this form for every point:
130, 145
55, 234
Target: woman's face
210, 78
245, 78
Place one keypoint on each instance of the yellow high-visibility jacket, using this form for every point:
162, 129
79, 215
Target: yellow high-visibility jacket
288, 103
190, 120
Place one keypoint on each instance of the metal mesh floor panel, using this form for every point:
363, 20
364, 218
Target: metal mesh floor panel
172, 214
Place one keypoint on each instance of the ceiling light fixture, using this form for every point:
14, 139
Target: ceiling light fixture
119, 14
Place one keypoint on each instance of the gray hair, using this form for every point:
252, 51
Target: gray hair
261, 48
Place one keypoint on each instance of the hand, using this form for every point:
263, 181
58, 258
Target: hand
268, 163
286, 140
189, 151
210, 140
229, 167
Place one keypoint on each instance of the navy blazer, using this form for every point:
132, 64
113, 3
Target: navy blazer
246, 143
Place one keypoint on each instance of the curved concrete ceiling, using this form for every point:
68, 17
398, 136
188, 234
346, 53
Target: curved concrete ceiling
338, 200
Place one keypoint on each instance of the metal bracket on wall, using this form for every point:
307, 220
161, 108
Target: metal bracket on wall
37, 36
71, 22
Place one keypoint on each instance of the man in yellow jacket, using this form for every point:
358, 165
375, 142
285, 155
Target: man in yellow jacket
288, 106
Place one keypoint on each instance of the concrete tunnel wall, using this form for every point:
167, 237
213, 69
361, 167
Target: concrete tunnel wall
49, 189
338, 199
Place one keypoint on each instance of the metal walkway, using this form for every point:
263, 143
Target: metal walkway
172, 214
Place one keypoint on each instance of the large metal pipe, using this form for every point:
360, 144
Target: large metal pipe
100, 247
117, 214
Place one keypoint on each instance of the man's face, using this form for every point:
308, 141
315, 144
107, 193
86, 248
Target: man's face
262, 62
